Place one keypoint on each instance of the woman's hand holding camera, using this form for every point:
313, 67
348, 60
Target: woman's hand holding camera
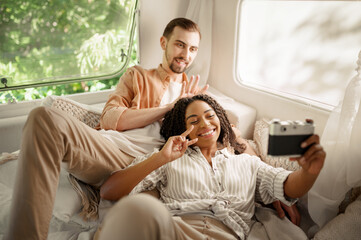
313, 159
300, 182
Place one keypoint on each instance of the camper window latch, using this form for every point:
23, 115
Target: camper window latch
4, 81
122, 55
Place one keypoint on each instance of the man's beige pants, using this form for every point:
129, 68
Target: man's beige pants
49, 138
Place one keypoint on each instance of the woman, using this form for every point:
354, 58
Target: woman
205, 192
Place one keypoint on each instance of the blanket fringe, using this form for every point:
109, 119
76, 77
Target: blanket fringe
6, 157
90, 198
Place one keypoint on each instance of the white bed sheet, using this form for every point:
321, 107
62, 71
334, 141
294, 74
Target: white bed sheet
66, 222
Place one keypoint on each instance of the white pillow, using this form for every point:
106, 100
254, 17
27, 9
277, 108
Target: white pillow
8, 168
344, 226
241, 115
67, 201
5, 202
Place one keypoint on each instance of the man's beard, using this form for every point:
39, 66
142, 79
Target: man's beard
173, 65
177, 69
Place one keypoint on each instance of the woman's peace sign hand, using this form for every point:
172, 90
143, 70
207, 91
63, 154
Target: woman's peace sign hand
176, 146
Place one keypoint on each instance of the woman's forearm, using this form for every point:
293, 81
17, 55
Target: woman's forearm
122, 182
299, 183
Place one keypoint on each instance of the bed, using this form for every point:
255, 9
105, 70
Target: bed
67, 222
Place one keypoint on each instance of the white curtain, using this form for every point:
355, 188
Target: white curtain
201, 12
341, 140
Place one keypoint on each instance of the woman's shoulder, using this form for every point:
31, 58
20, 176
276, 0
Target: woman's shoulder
243, 157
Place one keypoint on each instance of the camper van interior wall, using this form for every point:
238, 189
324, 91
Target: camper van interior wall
72, 74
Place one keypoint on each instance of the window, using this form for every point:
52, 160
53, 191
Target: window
299, 49
55, 42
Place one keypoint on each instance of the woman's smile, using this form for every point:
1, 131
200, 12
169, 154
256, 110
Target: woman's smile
207, 133
205, 122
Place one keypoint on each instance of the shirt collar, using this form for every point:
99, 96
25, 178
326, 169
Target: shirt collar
223, 151
164, 76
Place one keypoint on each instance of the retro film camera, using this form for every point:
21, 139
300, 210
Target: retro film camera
285, 137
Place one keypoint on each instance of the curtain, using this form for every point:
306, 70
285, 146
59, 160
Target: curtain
201, 12
342, 169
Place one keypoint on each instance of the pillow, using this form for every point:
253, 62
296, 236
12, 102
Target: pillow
260, 137
67, 202
345, 225
5, 202
241, 115
90, 115
8, 165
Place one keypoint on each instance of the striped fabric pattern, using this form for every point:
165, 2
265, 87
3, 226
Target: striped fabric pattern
228, 189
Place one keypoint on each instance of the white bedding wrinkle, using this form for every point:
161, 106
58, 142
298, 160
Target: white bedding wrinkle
66, 222
140, 141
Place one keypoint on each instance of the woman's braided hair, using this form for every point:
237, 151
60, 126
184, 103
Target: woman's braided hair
174, 122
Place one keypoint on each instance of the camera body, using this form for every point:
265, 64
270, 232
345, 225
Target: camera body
285, 137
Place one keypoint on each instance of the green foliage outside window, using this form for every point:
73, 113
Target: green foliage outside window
33, 32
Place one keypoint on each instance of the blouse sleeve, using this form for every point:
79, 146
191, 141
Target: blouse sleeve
151, 180
270, 182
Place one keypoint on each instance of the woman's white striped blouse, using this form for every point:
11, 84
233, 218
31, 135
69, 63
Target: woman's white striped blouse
228, 189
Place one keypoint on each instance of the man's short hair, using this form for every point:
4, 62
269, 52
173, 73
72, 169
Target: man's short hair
184, 23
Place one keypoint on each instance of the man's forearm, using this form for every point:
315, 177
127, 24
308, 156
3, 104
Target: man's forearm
136, 118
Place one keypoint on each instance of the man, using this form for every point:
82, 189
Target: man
52, 140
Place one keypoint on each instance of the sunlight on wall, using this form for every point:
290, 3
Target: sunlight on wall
304, 48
